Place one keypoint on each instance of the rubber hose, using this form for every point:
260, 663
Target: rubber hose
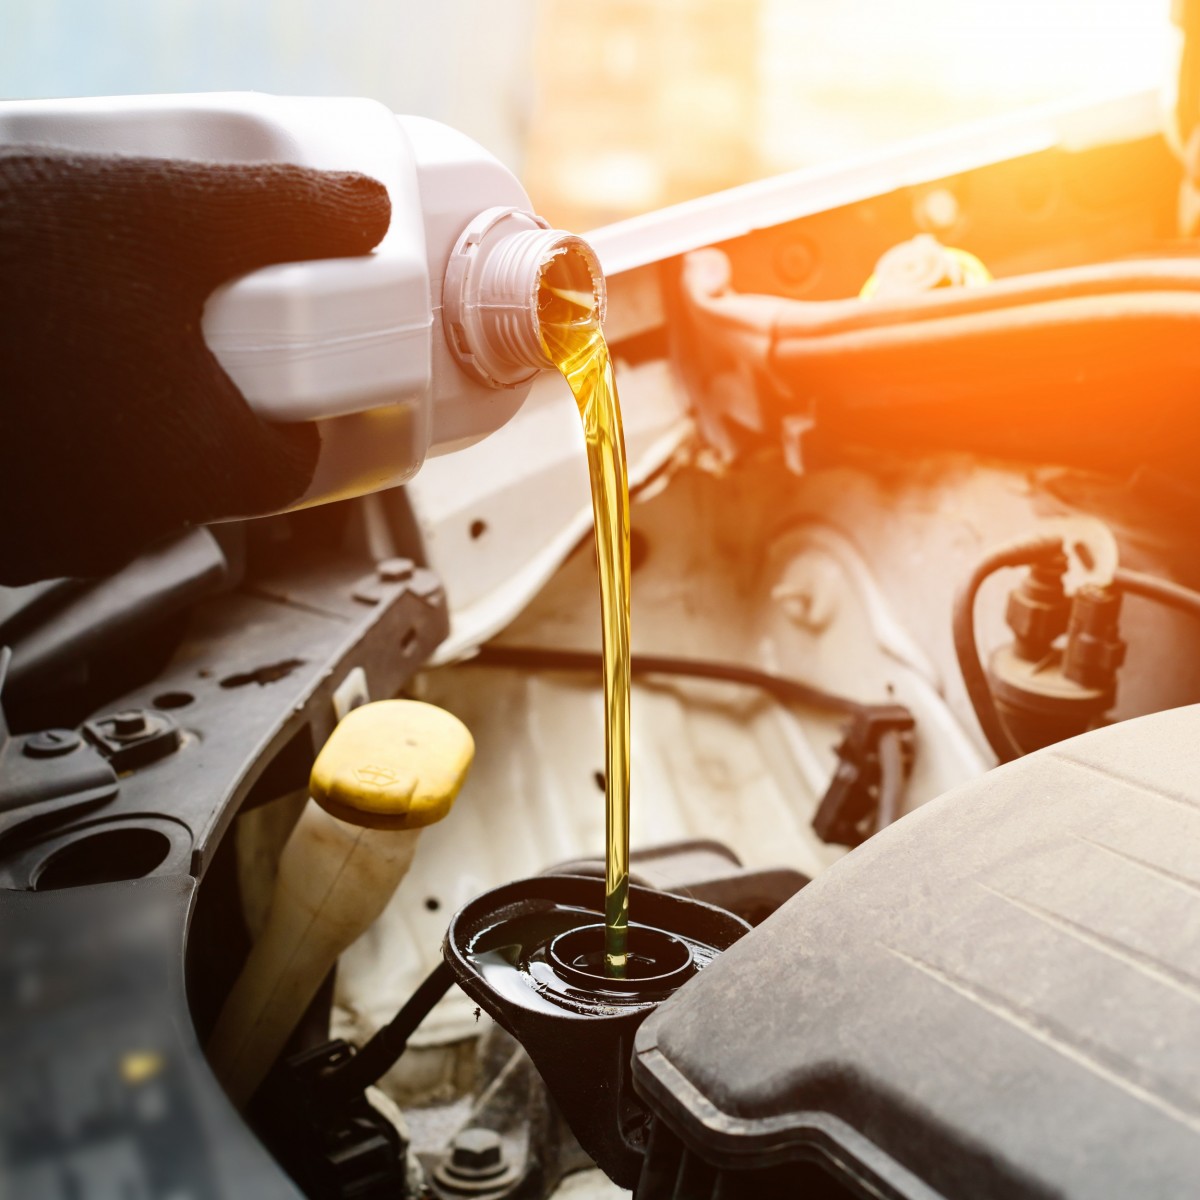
789, 691
379, 1055
1173, 595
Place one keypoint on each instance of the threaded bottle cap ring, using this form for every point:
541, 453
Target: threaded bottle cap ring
490, 295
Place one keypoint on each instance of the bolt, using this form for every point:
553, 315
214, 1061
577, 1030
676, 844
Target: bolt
477, 1152
395, 570
130, 723
50, 743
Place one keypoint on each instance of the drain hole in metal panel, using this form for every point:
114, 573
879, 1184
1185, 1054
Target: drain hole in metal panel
107, 857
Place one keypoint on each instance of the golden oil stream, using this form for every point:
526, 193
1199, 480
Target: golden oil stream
571, 334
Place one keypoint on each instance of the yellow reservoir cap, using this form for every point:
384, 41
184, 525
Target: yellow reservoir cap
394, 764
923, 265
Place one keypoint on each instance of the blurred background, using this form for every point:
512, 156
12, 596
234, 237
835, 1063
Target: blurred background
608, 110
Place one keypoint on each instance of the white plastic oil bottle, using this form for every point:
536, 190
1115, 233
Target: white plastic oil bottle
427, 344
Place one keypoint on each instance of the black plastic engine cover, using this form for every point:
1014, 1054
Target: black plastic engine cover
999, 996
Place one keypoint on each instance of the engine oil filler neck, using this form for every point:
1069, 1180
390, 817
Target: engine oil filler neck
532, 955
656, 962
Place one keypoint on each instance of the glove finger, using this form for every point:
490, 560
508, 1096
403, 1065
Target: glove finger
197, 221
239, 218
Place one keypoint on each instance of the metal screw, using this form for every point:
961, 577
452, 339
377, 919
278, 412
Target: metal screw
395, 570
51, 743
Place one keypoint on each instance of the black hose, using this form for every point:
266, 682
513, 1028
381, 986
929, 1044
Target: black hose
891, 779
1022, 553
379, 1055
788, 691
1173, 595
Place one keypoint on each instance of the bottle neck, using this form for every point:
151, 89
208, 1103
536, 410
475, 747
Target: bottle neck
492, 290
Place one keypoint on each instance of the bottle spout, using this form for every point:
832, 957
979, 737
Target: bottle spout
492, 292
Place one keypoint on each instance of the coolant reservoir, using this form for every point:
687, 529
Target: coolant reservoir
424, 346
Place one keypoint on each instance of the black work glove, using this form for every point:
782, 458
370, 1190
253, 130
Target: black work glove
117, 424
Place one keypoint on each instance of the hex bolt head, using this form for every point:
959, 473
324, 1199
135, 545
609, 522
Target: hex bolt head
395, 570
130, 723
477, 1150
51, 743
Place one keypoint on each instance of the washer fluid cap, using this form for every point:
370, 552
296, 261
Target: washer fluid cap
490, 296
394, 764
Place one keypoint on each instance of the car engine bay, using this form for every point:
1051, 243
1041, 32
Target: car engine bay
879, 547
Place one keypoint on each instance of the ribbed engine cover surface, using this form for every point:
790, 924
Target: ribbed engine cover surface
999, 996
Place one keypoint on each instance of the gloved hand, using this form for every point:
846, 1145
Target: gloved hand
117, 424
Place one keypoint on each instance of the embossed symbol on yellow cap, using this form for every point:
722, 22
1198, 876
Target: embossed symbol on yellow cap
375, 776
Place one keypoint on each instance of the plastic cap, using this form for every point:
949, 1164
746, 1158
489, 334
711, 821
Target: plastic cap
923, 265
394, 764
490, 296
